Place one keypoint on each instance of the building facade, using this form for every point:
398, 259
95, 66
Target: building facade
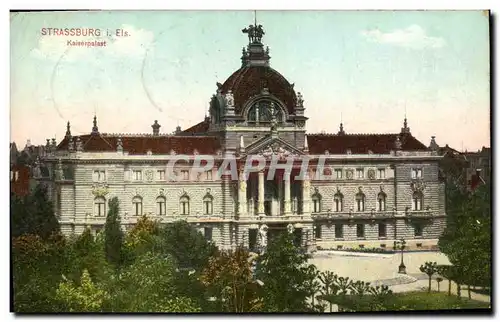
380, 187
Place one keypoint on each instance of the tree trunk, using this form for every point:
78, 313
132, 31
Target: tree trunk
468, 290
459, 291
438, 286
429, 284
449, 287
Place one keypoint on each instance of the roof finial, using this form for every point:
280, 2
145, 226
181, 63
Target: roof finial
95, 129
68, 130
405, 129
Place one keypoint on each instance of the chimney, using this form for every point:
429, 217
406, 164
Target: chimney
178, 130
433, 145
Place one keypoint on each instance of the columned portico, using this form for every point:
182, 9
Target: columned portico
242, 195
306, 195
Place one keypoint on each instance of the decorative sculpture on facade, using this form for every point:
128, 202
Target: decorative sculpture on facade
418, 185
371, 174
290, 228
263, 236
100, 189
255, 33
229, 98
149, 175
349, 174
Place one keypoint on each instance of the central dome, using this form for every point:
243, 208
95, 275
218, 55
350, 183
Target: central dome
249, 81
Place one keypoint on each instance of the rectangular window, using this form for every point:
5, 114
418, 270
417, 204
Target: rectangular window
338, 173
185, 174
99, 176
360, 231
138, 208
416, 173
382, 230
207, 207
11, 175
208, 175
360, 174
100, 208
339, 231
16, 176
317, 232
161, 174
381, 173
208, 233
137, 175
418, 230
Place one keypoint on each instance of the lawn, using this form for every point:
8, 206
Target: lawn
404, 301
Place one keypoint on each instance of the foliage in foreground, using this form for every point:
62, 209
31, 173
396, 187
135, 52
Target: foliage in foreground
403, 302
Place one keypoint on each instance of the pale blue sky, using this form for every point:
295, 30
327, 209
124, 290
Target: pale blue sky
364, 65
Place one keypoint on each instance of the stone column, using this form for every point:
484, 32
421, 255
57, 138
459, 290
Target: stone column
287, 210
242, 195
306, 198
260, 210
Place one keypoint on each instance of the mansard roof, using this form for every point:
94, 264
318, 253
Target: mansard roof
141, 143
361, 143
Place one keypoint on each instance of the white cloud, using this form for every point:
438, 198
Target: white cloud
413, 36
133, 45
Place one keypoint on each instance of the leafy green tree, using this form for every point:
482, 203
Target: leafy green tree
85, 297
228, 277
113, 234
286, 275
360, 287
467, 238
147, 285
429, 268
188, 246
33, 214
37, 266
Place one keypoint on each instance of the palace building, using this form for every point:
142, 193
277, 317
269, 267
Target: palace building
381, 187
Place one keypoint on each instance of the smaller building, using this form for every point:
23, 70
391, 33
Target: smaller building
20, 180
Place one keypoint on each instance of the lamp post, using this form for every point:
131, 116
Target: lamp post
400, 244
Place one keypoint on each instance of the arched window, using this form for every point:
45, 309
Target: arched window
338, 200
100, 207
160, 206
208, 205
418, 199
261, 112
137, 203
360, 201
381, 201
184, 205
316, 201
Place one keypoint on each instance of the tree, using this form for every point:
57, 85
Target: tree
284, 270
85, 297
429, 268
188, 247
467, 238
329, 284
439, 280
37, 266
141, 239
147, 285
113, 234
229, 278
33, 214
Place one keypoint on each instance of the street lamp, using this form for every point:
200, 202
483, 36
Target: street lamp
400, 244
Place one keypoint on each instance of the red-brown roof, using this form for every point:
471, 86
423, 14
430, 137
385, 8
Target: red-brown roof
361, 143
140, 144
247, 82
199, 128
